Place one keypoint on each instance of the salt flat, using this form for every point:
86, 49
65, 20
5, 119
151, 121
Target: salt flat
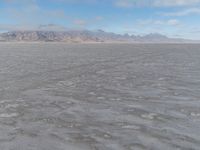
56, 96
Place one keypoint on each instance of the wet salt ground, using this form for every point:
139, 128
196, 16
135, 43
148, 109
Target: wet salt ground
99, 97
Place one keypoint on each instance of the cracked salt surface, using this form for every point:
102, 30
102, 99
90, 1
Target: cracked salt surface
56, 96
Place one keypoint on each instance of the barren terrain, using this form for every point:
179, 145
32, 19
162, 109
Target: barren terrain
56, 96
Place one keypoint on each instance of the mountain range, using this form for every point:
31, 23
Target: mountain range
85, 36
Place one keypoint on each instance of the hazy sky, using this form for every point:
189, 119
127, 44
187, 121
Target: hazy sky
175, 18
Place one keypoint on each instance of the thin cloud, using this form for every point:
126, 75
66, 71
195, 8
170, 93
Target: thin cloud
131, 3
173, 22
155, 3
76, 1
150, 22
175, 2
80, 22
120, 3
51, 27
28, 27
185, 12
99, 18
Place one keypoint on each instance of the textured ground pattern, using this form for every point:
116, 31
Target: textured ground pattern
99, 96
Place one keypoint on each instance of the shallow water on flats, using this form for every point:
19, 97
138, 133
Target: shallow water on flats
58, 96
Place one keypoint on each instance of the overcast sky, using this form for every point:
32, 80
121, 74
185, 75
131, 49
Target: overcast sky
175, 18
